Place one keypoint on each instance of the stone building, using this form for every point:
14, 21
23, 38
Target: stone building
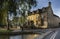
35, 17
56, 20
44, 18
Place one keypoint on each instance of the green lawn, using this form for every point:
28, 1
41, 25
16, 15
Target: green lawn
5, 30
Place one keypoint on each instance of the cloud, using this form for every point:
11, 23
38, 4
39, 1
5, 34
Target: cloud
57, 12
40, 4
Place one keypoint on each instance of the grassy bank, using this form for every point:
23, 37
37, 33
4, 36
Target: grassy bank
5, 31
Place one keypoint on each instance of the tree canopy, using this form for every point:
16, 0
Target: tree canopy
7, 7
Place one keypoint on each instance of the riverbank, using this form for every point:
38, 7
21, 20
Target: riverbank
25, 31
19, 32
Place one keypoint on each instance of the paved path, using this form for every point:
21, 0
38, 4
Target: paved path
54, 35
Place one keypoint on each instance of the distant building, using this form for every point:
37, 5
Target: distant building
44, 18
35, 17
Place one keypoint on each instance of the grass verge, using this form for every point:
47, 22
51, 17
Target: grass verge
5, 31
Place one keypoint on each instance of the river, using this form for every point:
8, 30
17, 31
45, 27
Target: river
28, 36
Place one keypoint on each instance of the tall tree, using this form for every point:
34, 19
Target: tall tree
25, 6
12, 5
3, 12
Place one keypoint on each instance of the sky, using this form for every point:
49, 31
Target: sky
44, 3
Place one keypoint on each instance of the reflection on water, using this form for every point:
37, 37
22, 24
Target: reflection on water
30, 36
16, 37
4, 37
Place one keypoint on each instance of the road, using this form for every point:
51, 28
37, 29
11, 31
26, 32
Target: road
53, 35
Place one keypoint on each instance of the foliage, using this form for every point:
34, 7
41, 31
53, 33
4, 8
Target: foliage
3, 12
19, 20
7, 7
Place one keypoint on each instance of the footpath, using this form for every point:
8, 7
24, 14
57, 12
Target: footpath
42, 36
